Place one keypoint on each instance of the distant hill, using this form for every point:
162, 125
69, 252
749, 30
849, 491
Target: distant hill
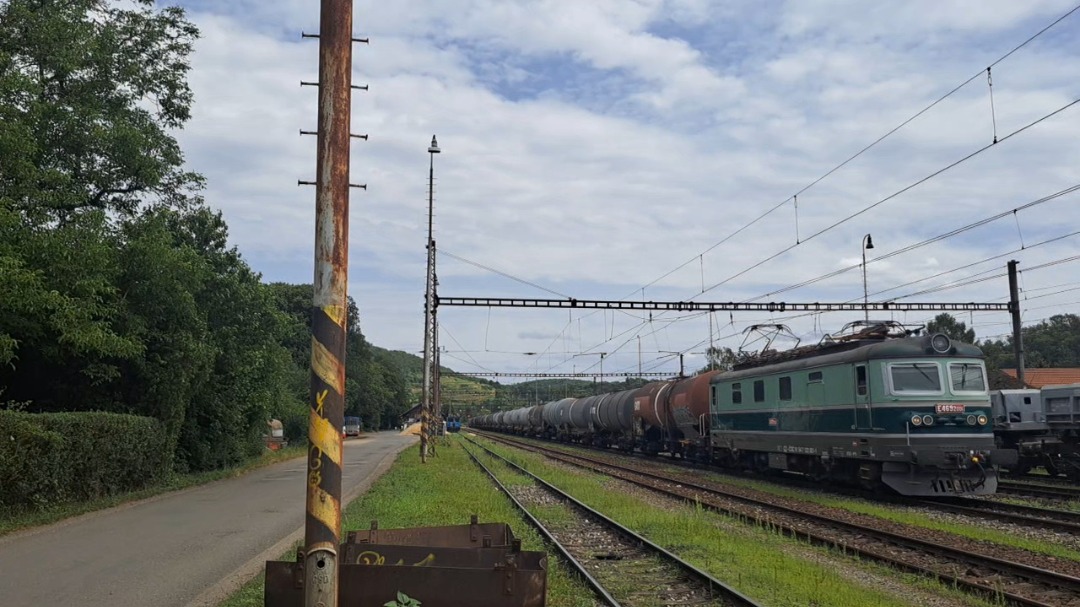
473, 395
456, 389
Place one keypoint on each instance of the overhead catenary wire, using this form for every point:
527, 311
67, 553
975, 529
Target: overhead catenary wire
460, 347
981, 261
923, 243
975, 280
890, 196
863, 150
895, 194
501, 273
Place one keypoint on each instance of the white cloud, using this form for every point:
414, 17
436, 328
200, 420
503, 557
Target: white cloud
592, 147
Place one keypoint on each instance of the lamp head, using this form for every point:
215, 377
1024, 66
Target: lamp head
434, 148
869, 242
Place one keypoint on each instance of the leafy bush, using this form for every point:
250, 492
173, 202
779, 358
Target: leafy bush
48, 458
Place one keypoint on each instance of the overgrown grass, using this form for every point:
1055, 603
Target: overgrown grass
445, 491
15, 520
756, 560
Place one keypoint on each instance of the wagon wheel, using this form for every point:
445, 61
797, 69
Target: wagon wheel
1051, 469
1021, 469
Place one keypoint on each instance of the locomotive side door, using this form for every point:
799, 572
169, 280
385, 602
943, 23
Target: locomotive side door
863, 418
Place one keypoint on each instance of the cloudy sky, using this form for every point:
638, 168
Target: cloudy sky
609, 149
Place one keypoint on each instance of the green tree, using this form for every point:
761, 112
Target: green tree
1051, 343
250, 372
118, 290
88, 91
374, 384
947, 324
58, 302
1054, 342
719, 358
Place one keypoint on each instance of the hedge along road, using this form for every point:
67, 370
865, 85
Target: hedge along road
192, 547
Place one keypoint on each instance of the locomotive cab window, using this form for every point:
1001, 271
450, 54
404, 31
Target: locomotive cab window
736, 393
915, 378
759, 391
785, 388
967, 377
816, 377
860, 380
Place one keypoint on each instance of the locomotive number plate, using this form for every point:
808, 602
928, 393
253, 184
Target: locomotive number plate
949, 408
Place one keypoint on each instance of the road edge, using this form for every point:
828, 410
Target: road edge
243, 574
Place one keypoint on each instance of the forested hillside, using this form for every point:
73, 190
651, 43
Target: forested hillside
456, 390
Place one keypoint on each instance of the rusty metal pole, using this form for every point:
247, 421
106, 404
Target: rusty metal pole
329, 311
1014, 311
429, 312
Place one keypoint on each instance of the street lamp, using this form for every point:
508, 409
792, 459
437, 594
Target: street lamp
429, 312
432, 150
867, 243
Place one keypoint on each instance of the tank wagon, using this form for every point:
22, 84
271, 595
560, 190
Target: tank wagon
879, 407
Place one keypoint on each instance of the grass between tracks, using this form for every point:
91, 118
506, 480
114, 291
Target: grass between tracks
899, 514
16, 520
757, 561
921, 519
916, 518
445, 491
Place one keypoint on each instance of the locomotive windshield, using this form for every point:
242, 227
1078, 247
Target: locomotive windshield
967, 377
915, 377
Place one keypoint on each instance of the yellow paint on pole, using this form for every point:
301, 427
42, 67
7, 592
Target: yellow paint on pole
326, 366
325, 437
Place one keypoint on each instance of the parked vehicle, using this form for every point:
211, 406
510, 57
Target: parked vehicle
352, 426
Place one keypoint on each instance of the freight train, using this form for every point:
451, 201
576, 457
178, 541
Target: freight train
876, 405
1042, 425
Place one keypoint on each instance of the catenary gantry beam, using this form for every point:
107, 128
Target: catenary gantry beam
572, 374
730, 306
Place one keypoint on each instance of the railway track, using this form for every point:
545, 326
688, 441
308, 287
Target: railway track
1057, 492
999, 579
601, 551
1028, 516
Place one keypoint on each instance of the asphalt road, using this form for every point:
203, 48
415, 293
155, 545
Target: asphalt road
185, 548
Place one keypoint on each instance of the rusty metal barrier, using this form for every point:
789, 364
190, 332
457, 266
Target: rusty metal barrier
479, 564
473, 535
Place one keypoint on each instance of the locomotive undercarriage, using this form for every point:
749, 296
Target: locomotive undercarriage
904, 478
873, 463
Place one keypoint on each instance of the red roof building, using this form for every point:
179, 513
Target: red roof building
1038, 378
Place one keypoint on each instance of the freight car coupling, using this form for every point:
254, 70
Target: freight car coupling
841, 411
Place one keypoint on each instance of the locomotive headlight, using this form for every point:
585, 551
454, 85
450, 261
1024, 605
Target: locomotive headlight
916, 420
971, 420
982, 420
928, 420
940, 343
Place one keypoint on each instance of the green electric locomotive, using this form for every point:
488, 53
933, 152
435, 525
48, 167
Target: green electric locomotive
875, 408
